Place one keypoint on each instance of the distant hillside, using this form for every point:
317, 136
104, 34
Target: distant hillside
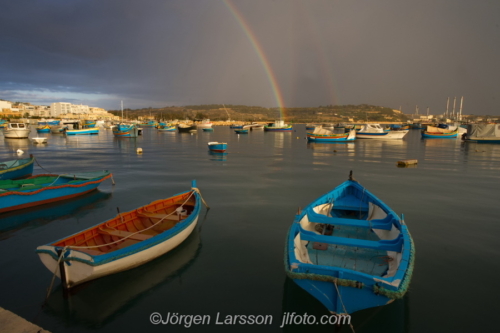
329, 113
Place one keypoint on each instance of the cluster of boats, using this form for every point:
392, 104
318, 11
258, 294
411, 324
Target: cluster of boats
347, 248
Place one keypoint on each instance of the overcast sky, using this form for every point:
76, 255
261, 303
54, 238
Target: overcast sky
154, 53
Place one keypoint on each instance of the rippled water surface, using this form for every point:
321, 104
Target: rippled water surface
234, 264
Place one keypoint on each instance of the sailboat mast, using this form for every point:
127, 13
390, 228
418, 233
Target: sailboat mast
447, 107
454, 102
122, 111
461, 103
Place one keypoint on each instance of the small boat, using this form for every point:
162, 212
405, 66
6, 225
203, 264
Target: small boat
218, 147
126, 131
185, 128
208, 129
375, 131
483, 133
89, 123
432, 132
241, 131
253, 126
17, 169
323, 135
205, 123
43, 129
53, 122
58, 129
278, 126
16, 131
166, 128
41, 189
234, 126
126, 241
83, 131
150, 123
39, 140
350, 251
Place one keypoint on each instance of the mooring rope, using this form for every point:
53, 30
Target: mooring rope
36, 160
341, 301
139, 231
55, 272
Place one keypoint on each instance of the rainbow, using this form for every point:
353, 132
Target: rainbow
260, 53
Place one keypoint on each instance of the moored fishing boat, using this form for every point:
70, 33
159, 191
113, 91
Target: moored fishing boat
39, 140
323, 135
218, 147
43, 129
350, 251
375, 131
41, 189
241, 131
58, 129
150, 123
278, 126
208, 129
17, 169
432, 132
83, 131
126, 131
126, 241
166, 128
89, 123
186, 128
234, 126
205, 123
16, 131
483, 133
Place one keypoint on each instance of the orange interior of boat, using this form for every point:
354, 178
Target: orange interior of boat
137, 226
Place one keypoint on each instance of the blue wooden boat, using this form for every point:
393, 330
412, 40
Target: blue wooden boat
278, 126
208, 129
167, 128
43, 129
126, 241
150, 123
232, 126
84, 131
41, 189
218, 147
53, 122
241, 131
17, 169
126, 131
89, 124
350, 251
426, 134
322, 135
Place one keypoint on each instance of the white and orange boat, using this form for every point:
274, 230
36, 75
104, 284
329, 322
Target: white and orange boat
128, 240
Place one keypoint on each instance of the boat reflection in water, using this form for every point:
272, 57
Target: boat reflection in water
40, 215
390, 318
98, 302
215, 156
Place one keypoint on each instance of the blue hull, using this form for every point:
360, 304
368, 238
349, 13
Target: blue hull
343, 253
82, 132
17, 169
432, 136
124, 131
45, 130
220, 148
59, 190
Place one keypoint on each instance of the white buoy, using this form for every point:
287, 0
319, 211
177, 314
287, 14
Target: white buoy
19, 152
139, 150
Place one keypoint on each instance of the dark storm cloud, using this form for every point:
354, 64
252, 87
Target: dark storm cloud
156, 53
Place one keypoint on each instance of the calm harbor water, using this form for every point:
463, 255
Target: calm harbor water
233, 264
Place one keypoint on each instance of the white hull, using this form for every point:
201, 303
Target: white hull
79, 272
39, 140
204, 125
16, 134
389, 135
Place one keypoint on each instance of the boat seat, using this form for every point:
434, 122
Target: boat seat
123, 234
165, 217
395, 245
385, 223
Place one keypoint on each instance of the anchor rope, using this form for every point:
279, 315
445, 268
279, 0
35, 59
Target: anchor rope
342, 302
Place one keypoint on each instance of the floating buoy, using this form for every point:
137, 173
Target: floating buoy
19, 152
139, 150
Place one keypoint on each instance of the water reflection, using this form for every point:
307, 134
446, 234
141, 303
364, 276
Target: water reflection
394, 317
34, 217
15, 144
101, 301
215, 156
126, 144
